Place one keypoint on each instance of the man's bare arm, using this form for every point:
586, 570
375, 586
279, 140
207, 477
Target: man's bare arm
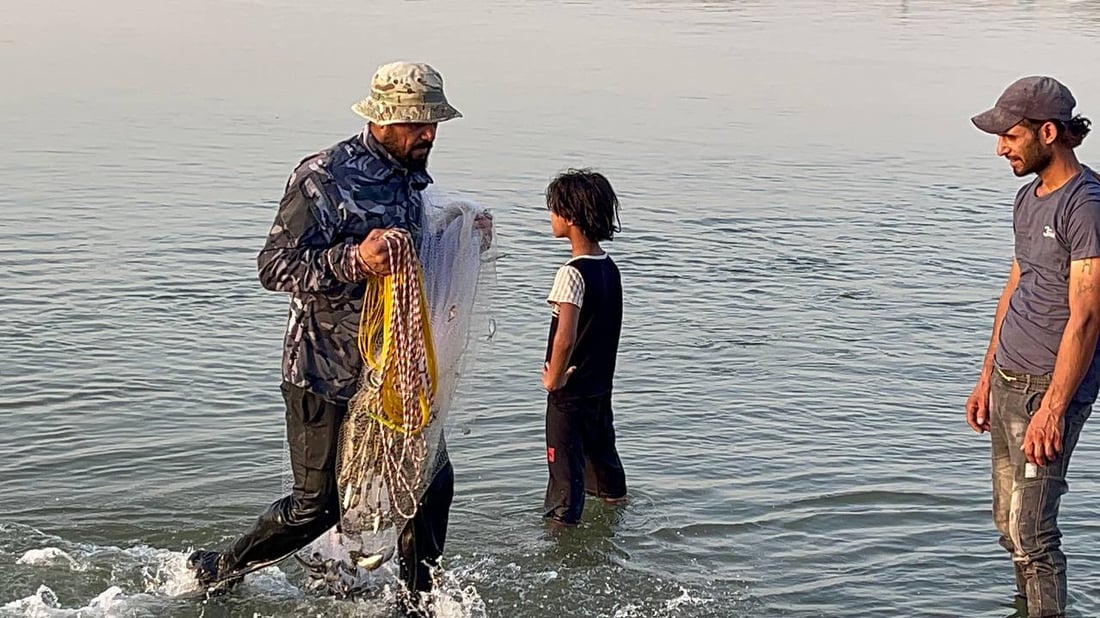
1043, 439
1079, 338
999, 316
977, 405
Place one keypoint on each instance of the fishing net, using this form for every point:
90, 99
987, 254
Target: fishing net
419, 328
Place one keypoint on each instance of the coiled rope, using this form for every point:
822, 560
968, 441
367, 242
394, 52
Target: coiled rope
381, 439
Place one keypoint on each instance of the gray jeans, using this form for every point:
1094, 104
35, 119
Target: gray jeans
1026, 497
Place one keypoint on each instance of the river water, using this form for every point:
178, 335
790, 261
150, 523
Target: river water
814, 240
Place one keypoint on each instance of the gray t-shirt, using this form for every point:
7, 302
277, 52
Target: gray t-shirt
1050, 232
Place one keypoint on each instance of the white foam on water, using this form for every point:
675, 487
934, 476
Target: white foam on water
452, 599
166, 574
143, 579
48, 556
37, 604
671, 607
685, 598
628, 611
44, 604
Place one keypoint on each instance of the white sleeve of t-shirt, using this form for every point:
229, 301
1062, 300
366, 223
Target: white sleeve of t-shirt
568, 287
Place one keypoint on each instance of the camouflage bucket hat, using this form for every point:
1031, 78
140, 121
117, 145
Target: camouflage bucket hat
406, 92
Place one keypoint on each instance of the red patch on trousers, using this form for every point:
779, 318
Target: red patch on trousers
550, 454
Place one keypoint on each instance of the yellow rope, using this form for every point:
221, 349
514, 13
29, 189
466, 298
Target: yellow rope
384, 337
381, 438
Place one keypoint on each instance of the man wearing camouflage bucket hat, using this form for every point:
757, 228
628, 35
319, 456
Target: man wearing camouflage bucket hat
324, 244
404, 92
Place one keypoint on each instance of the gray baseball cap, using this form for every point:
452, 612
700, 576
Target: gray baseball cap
1037, 97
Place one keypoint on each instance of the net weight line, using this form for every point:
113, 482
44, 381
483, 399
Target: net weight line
382, 449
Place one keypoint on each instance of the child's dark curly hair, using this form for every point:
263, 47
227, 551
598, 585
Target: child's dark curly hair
585, 199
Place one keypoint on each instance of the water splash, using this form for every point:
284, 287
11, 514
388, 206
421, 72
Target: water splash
148, 581
49, 556
45, 604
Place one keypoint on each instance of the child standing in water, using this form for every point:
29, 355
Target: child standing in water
587, 301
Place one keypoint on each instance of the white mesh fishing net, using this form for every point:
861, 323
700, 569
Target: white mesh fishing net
456, 258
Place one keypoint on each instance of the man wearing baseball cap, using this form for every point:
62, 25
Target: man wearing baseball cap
324, 244
1040, 375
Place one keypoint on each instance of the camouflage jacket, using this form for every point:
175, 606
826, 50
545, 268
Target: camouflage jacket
331, 201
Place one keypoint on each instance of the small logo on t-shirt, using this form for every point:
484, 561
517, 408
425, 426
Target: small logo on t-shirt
1048, 232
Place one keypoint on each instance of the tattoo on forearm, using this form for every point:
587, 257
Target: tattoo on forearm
1086, 288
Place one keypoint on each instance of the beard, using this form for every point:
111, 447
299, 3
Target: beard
413, 158
416, 160
1033, 160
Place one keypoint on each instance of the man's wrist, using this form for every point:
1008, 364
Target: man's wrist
362, 267
1055, 409
987, 367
